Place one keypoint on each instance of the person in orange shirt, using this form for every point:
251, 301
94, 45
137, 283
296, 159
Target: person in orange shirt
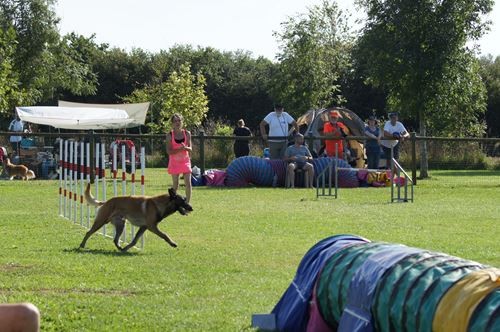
337, 131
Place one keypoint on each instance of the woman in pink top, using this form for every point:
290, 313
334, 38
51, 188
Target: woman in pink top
178, 150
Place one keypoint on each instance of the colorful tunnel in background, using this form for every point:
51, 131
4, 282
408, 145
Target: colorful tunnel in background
261, 172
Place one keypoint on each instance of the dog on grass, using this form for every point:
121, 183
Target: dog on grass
17, 170
142, 211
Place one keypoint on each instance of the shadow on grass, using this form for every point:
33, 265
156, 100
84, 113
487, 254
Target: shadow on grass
100, 252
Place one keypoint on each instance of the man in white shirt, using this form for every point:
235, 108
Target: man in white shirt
16, 125
279, 122
394, 132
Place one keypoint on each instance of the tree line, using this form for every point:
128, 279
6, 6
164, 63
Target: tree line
411, 56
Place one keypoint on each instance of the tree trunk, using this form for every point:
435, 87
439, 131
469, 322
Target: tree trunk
424, 163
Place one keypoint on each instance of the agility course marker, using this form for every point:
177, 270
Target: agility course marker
345, 176
76, 156
407, 179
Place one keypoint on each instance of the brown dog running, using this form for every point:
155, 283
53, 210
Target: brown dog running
142, 211
17, 170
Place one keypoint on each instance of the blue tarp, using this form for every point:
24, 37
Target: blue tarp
292, 309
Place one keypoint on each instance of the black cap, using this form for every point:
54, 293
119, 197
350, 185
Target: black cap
278, 106
393, 114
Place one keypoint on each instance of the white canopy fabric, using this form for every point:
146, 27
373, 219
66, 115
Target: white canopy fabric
136, 112
78, 118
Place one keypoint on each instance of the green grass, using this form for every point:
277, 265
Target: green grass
237, 252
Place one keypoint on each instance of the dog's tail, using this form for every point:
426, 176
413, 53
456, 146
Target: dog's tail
90, 199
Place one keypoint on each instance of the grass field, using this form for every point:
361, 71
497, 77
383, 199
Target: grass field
237, 252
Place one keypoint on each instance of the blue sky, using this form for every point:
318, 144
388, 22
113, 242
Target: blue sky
228, 25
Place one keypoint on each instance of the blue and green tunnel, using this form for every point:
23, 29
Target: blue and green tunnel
348, 283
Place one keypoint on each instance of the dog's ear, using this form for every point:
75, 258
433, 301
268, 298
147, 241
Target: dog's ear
172, 192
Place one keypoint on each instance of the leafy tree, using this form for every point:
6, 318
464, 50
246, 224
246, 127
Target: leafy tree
490, 72
237, 85
34, 23
314, 53
9, 92
416, 51
42, 62
181, 93
69, 68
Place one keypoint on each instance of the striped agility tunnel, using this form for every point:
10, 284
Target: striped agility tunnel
348, 283
247, 170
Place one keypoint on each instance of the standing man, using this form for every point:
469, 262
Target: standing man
337, 131
279, 122
394, 133
16, 125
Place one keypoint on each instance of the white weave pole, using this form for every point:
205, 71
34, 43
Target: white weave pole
115, 169
132, 164
132, 190
60, 176
124, 172
124, 188
65, 166
103, 179
82, 170
75, 181
70, 166
97, 145
143, 166
87, 172
103, 170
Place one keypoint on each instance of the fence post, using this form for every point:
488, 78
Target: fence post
413, 137
202, 151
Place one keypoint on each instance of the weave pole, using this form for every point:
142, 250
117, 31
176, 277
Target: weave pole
82, 173
115, 168
124, 172
87, 172
124, 188
132, 190
143, 166
60, 176
65, 166
96, 178
70, 166
103, 179
75, 180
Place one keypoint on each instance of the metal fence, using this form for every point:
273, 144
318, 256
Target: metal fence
217, 151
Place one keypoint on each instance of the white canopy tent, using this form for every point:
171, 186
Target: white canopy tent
77, 118
136, 112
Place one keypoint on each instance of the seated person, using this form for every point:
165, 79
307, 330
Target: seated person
298, 156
